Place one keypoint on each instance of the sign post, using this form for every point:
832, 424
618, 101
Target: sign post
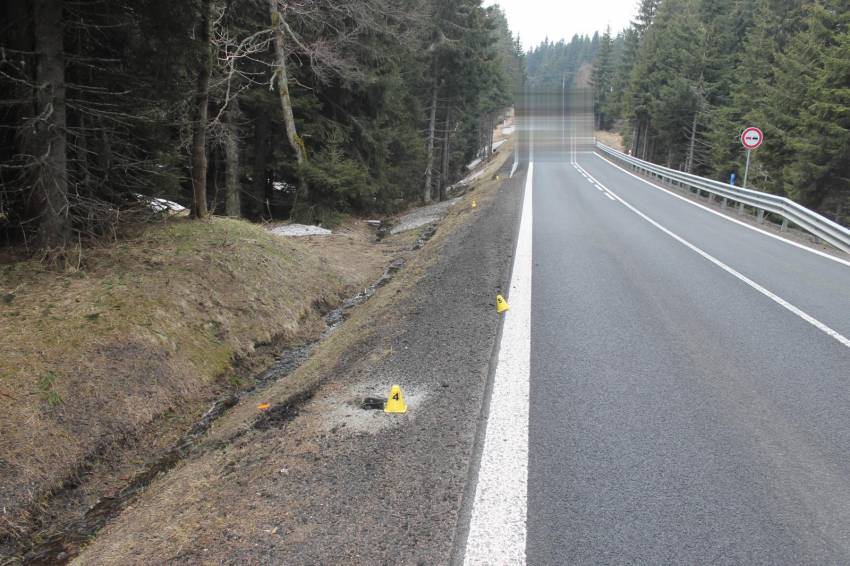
751, 138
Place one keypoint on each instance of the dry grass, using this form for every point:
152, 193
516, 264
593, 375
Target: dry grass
227, 498
611, 139
151, 327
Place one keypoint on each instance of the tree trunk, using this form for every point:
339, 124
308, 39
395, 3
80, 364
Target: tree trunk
491, 126
295, 140
635, 140
444, 173
232, 204
202, 97
689, 163
645, 139
51, 184
261, 174
480, 143
432, 126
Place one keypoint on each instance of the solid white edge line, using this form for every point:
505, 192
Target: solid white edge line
497, 528
772, 296
727, 217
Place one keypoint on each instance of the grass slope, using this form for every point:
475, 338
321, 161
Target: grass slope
150, 328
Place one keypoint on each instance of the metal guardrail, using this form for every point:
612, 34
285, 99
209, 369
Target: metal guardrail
791, 212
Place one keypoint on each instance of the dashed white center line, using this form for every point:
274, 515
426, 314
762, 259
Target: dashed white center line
732, 271
594, 182
726, 216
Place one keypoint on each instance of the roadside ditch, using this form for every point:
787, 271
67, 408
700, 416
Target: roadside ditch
58, 544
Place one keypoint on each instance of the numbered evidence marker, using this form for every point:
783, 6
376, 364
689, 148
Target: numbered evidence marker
501, 304
395, 402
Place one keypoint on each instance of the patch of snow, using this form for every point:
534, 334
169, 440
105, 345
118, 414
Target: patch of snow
281, 186
161, 205
472, 177
478, 161
294, 230
508, 130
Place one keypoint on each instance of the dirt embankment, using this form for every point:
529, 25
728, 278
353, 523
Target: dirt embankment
106, 367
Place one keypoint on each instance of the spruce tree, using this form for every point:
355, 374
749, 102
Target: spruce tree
602, 80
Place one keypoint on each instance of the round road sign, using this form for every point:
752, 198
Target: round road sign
752, 138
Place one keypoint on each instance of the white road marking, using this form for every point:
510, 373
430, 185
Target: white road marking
772, 296
497, 529
727, 217
593, 181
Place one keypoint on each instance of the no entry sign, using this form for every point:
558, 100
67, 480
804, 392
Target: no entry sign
752, 138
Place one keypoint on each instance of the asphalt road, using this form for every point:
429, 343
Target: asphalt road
677, 413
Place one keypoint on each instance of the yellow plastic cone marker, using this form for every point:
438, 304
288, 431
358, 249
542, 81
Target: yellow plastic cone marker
395, 403
263, 407
474, 204
501, 304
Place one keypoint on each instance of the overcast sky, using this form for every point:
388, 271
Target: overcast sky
535, 20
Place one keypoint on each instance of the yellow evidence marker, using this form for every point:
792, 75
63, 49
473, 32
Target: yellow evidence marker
501, 304
474, 204
395, 403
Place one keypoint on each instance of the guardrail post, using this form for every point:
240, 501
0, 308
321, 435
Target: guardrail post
740, 208
723, 204
760, 216
784, 225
